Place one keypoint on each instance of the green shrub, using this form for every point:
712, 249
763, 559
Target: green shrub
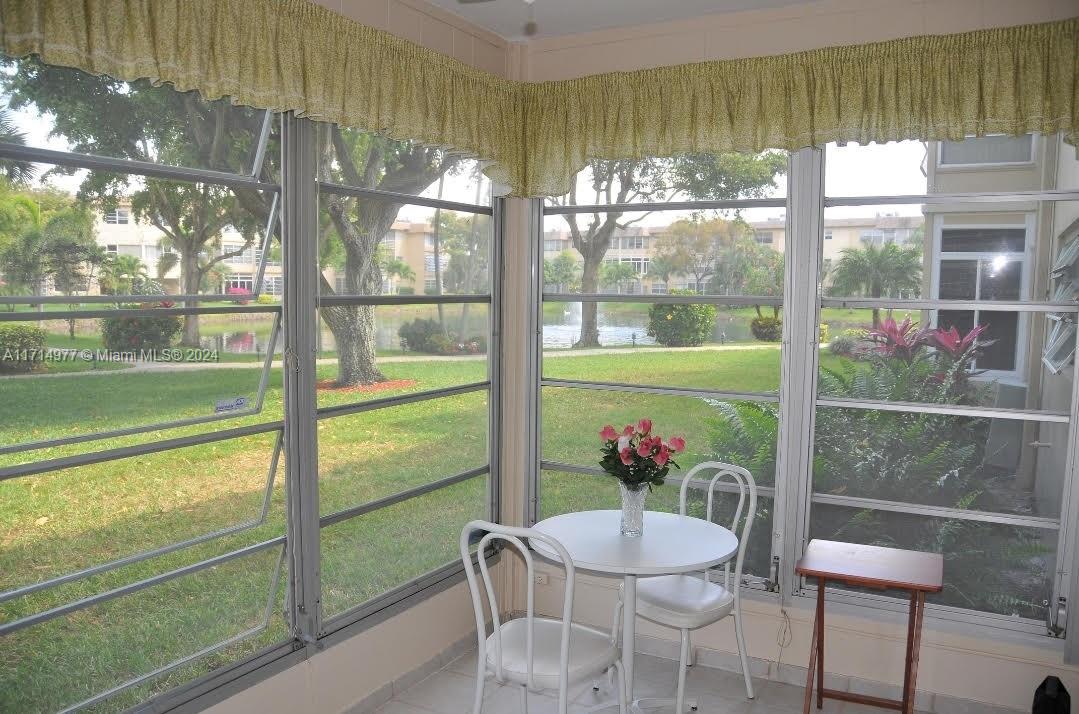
128, 334
264, 299
22, 348
404, 290
825, 332
416, 336
422, 335
767, 329
885, 455
843, 345
855, 333
681, 325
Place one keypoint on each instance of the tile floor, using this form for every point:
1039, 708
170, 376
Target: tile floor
450, 691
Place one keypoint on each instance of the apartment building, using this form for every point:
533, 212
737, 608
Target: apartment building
637, 244
119, 233
1011, 251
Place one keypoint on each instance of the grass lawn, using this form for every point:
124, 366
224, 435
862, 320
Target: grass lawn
67, 520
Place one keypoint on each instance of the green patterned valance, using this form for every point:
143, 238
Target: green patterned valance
291, 54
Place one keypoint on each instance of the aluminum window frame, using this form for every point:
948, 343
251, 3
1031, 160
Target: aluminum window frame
798, 398
358, 612
293, 215
540, 209
255, 409
1026, 279
1064, 578
941, 165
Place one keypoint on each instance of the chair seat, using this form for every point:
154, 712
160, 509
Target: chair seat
591, 652
682, 601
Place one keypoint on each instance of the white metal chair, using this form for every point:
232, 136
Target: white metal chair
534, 652
689, 602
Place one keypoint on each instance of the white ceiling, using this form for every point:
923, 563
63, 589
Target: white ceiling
565, 17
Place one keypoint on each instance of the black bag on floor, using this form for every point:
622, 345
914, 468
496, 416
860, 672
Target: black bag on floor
1052, 698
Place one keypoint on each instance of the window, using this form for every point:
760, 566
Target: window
642, 356
640, 265
173, 546
244, 255
274, 285
117, 216
431, 413
763, 237
554, 246
877, 236
173, 549
921, 437
956, 418
984, 264
240, 281
987, 151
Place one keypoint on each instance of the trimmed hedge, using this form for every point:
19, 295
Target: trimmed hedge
129, 334
681, 325
767, 329
22, 348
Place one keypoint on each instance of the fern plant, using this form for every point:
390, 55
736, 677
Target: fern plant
928, 459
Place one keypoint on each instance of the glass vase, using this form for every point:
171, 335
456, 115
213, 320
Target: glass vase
633, 510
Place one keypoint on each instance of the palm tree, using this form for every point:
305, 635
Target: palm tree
876, 272
122, 273
663, 268
14, 171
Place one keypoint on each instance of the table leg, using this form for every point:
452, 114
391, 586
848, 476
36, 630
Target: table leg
820, 643
811, 669
629, 629
910, 688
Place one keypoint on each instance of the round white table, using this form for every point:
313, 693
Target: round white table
671, 544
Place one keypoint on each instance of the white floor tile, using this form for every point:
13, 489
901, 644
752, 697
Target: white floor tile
397, 707
444, 692
450, 691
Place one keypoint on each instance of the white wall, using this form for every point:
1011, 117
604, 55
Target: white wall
346, 674
431, 26
777, 31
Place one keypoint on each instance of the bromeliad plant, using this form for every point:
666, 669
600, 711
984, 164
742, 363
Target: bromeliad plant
637, 457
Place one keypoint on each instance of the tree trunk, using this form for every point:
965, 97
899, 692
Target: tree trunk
876, 311
353, 326
436, 240
190, 277
353, 330
590, 284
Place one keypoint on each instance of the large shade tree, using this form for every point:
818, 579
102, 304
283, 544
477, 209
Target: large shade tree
694, 247
354, 228
690, 176
140, 121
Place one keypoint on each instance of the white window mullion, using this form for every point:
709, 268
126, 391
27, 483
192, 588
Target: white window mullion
797, 391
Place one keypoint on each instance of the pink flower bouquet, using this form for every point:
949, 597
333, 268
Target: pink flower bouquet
637, 457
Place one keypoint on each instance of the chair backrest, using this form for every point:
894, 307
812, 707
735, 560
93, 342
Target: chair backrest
516, 538
747, 503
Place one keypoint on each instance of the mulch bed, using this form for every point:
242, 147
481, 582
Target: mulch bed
328, 385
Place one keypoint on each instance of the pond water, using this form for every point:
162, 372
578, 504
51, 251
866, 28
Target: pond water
616, 329
253, 338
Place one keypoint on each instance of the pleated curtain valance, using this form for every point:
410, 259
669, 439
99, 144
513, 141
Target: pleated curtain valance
294, 55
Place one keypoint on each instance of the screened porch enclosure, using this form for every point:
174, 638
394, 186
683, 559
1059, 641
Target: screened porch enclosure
269, 340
